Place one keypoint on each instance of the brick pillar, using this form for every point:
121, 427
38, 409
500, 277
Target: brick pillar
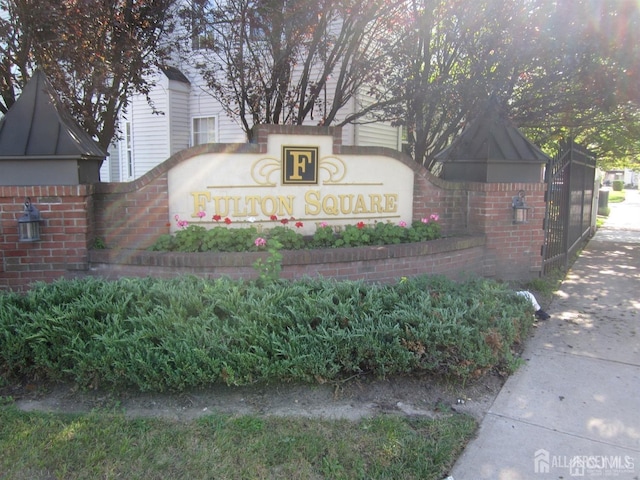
514, 250
65, 234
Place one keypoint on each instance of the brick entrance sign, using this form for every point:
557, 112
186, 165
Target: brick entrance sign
300, 172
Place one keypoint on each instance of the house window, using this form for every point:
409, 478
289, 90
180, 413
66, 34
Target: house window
201, 31
257, 31
128, 144
204, 130
404, 141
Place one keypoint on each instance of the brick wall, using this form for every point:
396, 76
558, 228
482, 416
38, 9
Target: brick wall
66, 231
513, 250
453, 257
132, 215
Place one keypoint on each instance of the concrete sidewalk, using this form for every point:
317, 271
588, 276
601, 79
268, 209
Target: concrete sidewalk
573, 410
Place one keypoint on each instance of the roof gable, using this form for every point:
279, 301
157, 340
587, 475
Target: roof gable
38, 126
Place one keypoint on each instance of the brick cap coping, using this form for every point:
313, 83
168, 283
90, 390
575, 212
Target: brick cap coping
290, 257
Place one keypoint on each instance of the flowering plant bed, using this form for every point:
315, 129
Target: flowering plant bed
196, 238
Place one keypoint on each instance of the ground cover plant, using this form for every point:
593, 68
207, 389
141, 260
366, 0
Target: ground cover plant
105, 444
196, 238
157, 335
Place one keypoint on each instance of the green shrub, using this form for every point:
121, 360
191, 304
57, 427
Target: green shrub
354, 236
617, 185
189, 332
286, 237
190, 239
388, 234
164, 243
323, 237
424, 230
221, 239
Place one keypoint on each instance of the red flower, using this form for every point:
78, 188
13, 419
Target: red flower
217, 217
299, 224
284, 221
227, 220
273, 217
360, 225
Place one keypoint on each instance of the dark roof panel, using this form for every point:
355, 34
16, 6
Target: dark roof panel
492, 137
172, 73
37, 125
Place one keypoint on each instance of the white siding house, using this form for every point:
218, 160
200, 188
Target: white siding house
186, 115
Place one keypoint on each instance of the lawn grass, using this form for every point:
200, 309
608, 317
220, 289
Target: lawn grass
617, 197
106, 444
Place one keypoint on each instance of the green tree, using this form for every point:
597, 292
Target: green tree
453, 56
16, 58
559, 69
96, 53
580, 78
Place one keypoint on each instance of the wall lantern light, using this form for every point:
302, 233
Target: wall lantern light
520, 209
29, 223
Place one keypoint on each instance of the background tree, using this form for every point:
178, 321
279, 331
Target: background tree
565, 68
582, 78
273, 61
96, 53
16, 58
453, 56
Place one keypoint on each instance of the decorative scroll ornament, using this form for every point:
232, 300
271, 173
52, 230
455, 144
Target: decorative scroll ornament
264, 169
335, 168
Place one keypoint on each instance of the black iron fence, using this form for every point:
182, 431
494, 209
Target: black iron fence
570, 178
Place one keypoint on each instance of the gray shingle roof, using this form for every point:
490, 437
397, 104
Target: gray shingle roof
38, 126
492, 137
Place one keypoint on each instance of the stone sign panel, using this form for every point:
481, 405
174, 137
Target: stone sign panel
299, 178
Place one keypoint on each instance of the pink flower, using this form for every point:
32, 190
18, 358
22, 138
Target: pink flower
217, 217
424, 220
324, 224
402, 223
260, 242
201, 214
227, 220
299, 224
360, 225
181, 223
434, 216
